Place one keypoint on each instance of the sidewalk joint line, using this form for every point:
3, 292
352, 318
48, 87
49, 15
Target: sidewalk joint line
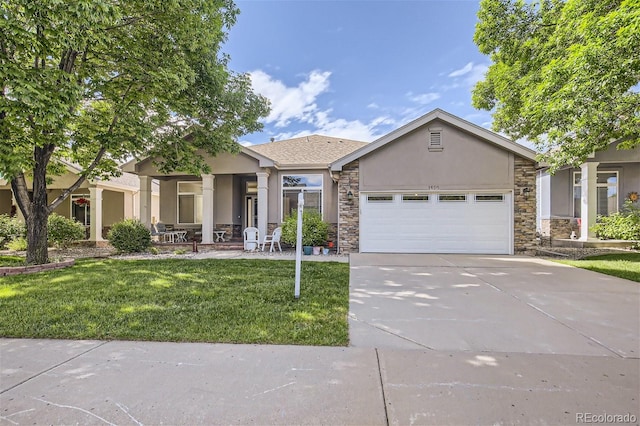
53, 367
384, 398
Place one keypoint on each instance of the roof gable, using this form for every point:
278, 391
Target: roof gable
437, 114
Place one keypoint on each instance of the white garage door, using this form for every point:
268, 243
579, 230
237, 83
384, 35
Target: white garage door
436, 223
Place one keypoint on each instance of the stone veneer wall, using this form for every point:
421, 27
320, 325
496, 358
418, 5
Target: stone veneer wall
560, 227
349, 211
524, 206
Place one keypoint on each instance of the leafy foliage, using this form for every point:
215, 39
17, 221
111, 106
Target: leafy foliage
623, 225
565, 74
129, 236
10, 229
17, 244
314, 229
63, 231
96, 82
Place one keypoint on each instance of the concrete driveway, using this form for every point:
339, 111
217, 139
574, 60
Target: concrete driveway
497, 339
491, 303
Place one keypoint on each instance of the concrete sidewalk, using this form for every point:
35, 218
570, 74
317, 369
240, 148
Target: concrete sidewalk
91, 382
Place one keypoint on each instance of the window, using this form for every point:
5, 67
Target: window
435, 139
415, 198
379, 198
292, 185
81, 208
452, 197
489, 198
189, 202
607, 193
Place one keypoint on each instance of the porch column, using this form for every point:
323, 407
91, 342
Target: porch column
263, 202
145, 200
207, 208
95, 212
589, 197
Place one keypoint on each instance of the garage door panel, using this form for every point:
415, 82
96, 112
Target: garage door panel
435, 227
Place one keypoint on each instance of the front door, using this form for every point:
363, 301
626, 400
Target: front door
251, 211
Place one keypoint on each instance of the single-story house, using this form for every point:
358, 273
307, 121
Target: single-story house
97, 204
436, 185
570, 200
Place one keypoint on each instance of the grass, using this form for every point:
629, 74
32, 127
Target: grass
213, 300
12, 261
623, 265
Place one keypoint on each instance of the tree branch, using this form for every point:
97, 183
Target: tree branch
21, 193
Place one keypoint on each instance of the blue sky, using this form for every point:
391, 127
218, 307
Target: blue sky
357, 69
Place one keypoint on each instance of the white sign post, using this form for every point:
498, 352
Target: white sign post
299, 244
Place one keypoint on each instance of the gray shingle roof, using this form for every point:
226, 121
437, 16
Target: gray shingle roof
312, 150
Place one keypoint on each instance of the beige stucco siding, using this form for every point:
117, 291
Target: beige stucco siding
5, 201
114, 211
464, 163
223, 163
223, 199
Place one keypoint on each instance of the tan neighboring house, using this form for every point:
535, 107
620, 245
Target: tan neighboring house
570, 200
97, 204
436, 185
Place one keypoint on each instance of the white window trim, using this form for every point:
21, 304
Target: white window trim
301, 189
598, 185
447, 194
178, 194
476, 200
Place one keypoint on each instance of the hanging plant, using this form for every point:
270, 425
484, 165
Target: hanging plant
81, 201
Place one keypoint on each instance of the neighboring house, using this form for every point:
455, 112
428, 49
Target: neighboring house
97, 204
571, 199
436, 185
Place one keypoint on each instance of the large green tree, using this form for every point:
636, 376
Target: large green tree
565, 74
96, 82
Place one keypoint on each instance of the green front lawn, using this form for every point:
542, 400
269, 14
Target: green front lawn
623, 265
214, 300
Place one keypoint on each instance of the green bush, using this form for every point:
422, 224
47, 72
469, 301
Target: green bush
314, 229
17, 244
10, 229
623, 225
129, 236
64, 231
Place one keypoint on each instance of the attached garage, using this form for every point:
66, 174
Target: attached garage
437, 185
413, 222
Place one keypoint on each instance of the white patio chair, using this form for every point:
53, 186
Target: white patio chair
273, 238
251, 238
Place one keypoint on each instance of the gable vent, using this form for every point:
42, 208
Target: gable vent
435, 140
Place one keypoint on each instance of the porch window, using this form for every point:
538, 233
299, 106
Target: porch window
189, 202
607, 193
292, 185
81, 208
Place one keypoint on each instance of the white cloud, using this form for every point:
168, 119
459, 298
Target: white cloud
472, 73
291, 103
373, 105
462, 71
246, 143
424, 98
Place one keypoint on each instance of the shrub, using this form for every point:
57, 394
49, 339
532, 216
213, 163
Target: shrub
10, 229
623, 225
64, 231
17, 244
314, 229
129, 236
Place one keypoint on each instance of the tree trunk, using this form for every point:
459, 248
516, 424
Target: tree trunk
37, 232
